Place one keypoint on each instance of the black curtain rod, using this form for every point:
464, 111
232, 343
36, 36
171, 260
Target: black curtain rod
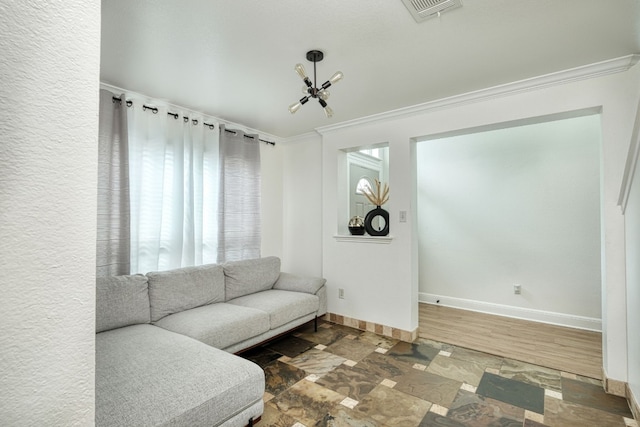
154, 110
252, 137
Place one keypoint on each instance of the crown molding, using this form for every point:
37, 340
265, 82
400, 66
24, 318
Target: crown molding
610, 66
303, 137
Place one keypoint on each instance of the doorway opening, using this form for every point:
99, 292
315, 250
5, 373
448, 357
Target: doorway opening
508, 220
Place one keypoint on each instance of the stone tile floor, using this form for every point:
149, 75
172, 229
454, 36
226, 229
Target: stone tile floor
341, 376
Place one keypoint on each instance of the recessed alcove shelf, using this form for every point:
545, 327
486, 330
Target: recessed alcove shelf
363, 239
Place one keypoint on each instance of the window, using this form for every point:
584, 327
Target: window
363, 184
174, 190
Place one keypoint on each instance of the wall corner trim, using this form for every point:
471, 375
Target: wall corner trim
631, 163
615, 387
633, 403
602, 68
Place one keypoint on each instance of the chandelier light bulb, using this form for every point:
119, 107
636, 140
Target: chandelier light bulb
327, 110
301, 72
337, 76
323, 94
305, 89
294, 107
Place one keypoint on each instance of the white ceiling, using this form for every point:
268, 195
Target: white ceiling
234, 59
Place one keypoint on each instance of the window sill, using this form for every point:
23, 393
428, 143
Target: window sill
363, 239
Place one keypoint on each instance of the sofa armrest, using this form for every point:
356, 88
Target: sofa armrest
292, 282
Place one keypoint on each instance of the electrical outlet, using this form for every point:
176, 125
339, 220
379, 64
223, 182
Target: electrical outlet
517, 289
341, 293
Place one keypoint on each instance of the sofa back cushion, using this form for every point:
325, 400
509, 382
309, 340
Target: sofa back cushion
121, 301
250, 276
178, 290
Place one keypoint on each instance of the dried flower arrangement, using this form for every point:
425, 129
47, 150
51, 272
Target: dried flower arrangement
380, 196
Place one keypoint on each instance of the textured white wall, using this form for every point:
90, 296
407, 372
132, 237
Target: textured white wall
515, 205
48, 149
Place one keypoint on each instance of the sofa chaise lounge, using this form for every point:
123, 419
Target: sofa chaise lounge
164, 341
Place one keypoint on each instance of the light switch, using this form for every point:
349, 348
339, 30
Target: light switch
403, 216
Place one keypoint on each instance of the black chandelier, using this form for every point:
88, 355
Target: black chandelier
310, 89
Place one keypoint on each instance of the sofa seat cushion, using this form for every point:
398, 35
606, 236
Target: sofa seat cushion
282, 306
219, 325
147, 376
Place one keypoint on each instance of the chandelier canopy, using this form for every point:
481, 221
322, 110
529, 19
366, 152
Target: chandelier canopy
310, 89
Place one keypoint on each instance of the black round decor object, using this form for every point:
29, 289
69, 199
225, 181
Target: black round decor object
368, 226
356, 231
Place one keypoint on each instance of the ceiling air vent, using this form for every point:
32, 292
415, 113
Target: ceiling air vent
421, 10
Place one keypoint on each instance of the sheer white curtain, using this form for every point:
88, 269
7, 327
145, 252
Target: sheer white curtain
112, 245
191, 195
239, 235
173, 167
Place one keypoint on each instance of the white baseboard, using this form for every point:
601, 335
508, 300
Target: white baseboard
561, 319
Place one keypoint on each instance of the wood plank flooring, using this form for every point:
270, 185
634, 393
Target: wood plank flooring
566, 349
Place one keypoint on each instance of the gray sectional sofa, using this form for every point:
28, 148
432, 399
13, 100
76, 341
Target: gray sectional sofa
164, 341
